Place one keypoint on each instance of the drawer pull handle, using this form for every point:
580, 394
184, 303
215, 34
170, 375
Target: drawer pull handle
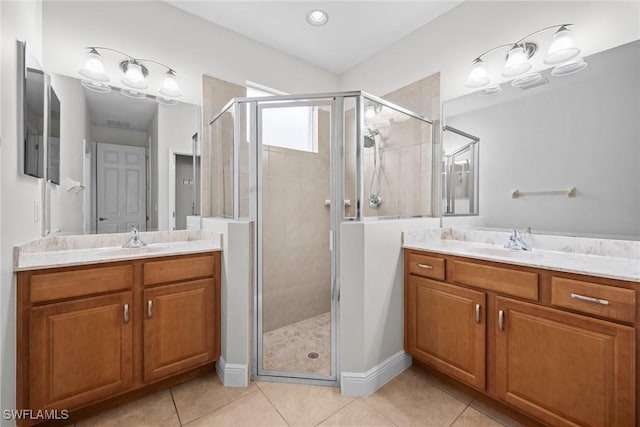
590, 299
425, 266
149, 309
501, 320
126, 313
477, 313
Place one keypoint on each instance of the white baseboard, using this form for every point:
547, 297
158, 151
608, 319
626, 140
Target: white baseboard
231, 374
363, 384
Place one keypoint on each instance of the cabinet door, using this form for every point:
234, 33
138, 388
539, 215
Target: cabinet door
181, 327
446, 328
563, 368
81, 351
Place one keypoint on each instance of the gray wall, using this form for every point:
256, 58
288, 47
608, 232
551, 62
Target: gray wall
67, 206
236, 288
22, 21
371, 291
582, 134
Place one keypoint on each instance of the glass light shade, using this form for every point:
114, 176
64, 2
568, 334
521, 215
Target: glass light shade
166, 101
130, 93
170, 88
517, 62
562, 48
526, 80
94, 68
96, 86
490, 90
569, 68
478, 76
133, 77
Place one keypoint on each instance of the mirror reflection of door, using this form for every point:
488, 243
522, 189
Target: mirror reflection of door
121, 188
184, 203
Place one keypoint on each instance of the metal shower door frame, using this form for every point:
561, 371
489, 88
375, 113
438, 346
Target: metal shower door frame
336, 188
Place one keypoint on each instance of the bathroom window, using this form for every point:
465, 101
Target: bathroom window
285, 126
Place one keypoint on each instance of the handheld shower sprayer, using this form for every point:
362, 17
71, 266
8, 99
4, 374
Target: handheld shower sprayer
375, 200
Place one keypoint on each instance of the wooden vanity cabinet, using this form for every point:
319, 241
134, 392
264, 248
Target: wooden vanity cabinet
564, 368
558, 359
178, 328
82, 351
87, 334
445, 327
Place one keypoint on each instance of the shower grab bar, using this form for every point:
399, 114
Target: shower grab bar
347, 202
569, 192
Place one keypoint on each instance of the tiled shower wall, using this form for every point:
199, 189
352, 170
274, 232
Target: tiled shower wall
423, 97
295, 226
216, 170
407, 164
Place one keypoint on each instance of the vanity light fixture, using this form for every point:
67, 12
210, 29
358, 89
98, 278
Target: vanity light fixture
562, 53
317, 17
134, 76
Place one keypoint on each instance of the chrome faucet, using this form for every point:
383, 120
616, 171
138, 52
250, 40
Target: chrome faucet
516, 242
134, 241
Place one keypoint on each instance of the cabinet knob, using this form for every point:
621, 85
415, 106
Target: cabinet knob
126, 313
501, 320
149, 309
425, 266
478, 307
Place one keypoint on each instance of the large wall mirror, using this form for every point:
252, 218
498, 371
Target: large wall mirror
33, 81
109, 161
561, 155
124, 161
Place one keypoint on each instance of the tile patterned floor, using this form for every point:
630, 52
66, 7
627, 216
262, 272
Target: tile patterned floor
287, 348
414, 398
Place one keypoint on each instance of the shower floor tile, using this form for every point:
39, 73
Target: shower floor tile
287, 348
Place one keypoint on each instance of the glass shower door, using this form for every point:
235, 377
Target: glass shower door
295, 274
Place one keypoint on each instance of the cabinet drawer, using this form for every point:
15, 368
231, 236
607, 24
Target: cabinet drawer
87, 281
178, 269
523, 284
426, 266
593, 298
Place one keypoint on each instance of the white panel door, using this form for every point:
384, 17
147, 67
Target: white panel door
121, 188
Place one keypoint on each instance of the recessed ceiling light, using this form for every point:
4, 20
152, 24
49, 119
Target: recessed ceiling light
317, 17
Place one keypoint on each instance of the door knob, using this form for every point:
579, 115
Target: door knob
102, 219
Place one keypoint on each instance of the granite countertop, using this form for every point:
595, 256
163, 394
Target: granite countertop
580, 257
67, 251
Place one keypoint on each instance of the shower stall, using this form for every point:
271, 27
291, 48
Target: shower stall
297, 167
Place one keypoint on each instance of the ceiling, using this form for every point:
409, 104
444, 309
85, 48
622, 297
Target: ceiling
356, 30
114, 110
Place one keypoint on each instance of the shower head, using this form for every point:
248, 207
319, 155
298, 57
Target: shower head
370, 138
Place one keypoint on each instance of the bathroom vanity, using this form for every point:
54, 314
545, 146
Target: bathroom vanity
103, 327
523, 329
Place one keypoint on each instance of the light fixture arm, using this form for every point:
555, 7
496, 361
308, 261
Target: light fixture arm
522, 40
559, 26
131, 58
502, 46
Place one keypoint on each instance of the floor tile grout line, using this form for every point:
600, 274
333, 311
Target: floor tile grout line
173, 399
272, 405
489, 415
460, 414
220, 407
438, 385
378, 411
335, 412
